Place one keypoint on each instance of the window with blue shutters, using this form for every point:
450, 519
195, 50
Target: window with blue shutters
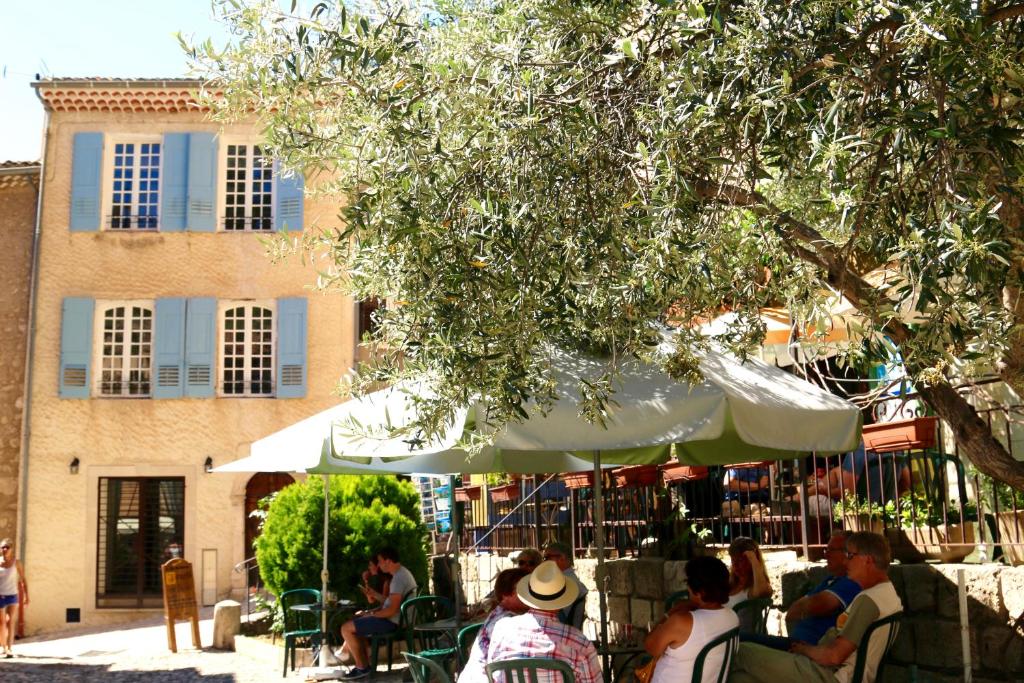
248, 189
291, 347
247, 348
76, 330
124, 348
134, 183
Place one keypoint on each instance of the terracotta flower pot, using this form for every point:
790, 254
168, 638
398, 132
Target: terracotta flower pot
500, 494
464, 494
636, 476
902, 435
864, 522
577, 480
1008, 523
673, 471
945, 543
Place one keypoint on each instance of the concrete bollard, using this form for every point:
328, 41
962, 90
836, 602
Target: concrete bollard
227, 622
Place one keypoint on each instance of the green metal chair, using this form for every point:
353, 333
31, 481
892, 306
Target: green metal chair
678, 596
464, 641
731, 641
753, 614
893, 620
424, 668
524, 669
413, 611
299, 627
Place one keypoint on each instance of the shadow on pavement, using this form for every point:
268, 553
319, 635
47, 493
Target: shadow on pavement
58, 673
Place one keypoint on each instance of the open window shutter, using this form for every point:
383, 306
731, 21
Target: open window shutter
169, 342
291, 348
76, 346
86, 167
288, 201
200, 347
202, 182
174, 192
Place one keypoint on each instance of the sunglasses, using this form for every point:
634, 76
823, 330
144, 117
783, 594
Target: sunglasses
850, 554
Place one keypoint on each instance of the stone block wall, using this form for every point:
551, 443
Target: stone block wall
928, 647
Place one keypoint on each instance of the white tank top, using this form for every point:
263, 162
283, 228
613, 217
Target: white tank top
9, 580
676, 664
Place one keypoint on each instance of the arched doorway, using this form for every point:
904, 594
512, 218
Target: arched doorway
259, 487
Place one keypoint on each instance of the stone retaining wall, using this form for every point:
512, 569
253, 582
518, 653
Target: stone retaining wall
927, 649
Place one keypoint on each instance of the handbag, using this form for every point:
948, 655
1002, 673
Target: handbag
644, 672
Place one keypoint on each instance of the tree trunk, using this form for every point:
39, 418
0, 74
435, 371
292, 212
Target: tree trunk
973, 435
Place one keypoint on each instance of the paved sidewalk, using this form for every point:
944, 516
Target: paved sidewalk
138, 652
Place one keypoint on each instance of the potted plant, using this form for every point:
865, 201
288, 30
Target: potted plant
464, 494
503, 487
901, 435
674, 471
636, 476
924, 533
857, 514
1010, 523
578, 480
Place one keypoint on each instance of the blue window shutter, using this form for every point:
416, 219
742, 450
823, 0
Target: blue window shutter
86, 169
202, 182
200, 347
169, 345
174, 193
291, 348
76, 347
288, 201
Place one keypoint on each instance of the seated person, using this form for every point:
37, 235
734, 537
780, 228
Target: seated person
508, 603
743, 486
748, 577
539, 633
878, 477
832, 659
528, 559
561, 554
810, 617
384, 619
684, 631
375, 582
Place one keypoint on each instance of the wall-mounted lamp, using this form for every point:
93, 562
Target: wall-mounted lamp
73, 465
208, 465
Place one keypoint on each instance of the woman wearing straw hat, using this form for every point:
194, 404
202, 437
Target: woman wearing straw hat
539, 633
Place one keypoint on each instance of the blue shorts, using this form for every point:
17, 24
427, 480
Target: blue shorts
370, 625
6, 600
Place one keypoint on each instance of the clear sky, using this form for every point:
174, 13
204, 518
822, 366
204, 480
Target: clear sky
78, 38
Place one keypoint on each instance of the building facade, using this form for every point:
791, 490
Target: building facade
165, 342
19, 196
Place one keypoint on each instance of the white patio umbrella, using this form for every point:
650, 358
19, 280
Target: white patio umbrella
740, 412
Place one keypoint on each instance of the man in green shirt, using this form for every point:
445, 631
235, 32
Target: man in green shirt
832, 659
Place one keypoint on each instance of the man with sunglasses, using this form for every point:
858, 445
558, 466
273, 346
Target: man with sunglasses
561, 555
832, 659
528, 559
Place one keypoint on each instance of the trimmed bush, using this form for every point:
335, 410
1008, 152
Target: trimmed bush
366, 513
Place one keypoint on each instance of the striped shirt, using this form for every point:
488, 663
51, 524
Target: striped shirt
540, 634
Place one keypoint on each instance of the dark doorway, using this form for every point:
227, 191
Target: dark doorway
259, 487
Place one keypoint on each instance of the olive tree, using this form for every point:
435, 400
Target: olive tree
528, 174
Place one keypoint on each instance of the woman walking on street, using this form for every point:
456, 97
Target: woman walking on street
12, 579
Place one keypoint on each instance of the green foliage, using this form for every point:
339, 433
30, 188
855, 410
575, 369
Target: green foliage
521, 175
366, 513
853, 505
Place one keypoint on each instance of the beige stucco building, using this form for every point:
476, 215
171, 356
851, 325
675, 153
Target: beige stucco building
165, 341
19, 185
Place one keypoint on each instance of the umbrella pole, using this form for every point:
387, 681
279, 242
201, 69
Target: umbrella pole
454, 567
601, 578
324, 576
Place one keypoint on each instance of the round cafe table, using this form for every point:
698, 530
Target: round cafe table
339, 607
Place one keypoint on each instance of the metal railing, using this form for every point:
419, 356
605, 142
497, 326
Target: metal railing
252, 581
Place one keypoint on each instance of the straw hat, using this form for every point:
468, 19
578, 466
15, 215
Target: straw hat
546, 588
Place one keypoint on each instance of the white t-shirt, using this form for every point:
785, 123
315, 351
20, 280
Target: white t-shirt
676, 664
869, 606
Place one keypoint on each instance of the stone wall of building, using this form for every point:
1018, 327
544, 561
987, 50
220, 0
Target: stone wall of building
927, 649
18, 196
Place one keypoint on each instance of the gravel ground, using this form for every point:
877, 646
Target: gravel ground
138, 652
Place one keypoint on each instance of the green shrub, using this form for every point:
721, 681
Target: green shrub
366, 513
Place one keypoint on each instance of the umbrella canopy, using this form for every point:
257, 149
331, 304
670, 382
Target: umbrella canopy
740, 412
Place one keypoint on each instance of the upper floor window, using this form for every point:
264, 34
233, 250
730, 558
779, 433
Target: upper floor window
247, 349
134, 185
248, 188
125, 348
